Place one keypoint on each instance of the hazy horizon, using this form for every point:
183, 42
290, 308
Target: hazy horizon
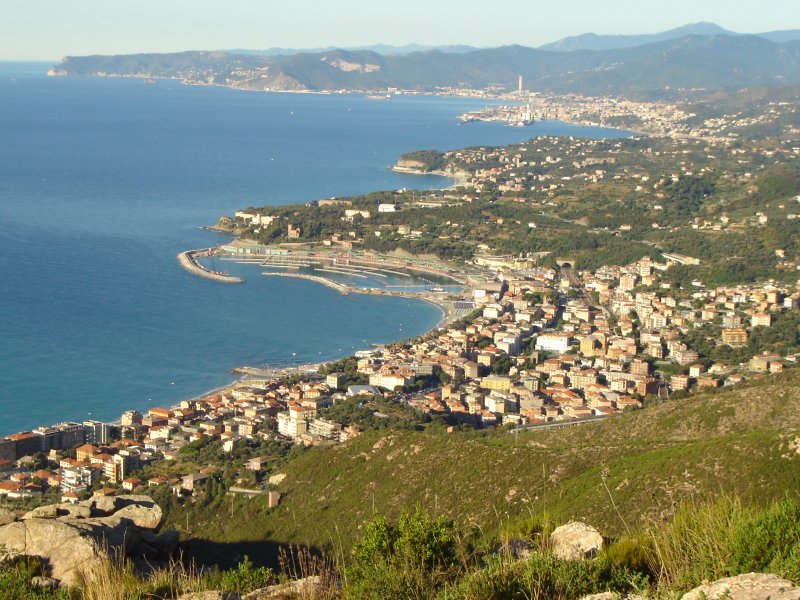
37, 30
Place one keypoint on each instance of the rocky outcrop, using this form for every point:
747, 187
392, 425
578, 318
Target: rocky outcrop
7, 516
576, 541
751, 586
70, 538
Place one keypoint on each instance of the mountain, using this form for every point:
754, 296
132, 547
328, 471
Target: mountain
780, 37
385, 49
593, 41
718, 62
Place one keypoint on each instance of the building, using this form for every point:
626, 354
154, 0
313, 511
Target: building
761, 320
734, 336
553, 342
335, 380
98, 433
496, 382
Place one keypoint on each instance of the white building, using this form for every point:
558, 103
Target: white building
553, 342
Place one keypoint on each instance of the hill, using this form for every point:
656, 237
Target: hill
716, 62
629, 471
593, 41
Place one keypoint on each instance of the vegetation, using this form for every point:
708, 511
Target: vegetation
421, 556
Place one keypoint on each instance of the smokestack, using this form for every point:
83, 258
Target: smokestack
520, 85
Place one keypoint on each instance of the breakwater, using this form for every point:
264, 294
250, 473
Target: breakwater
189, 261
339, 287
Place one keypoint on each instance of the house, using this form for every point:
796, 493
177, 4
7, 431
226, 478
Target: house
365, 390
257, 464
191, 482
131, 483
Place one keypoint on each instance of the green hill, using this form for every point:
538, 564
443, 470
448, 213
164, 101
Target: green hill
631, 471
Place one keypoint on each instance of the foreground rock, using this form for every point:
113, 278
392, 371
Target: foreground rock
751, 586
299, 588
70, 539
576, 541
613, 596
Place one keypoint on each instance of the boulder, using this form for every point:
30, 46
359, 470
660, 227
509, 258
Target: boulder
7, 516
168, 542
42, 512
209, 596
142, 510
750, 586
59, 511
44, 582
74, 511
613, 596
65, 547
302, 588
576, 541
102, 505
74, 541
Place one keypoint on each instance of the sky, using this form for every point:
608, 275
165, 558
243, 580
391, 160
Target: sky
51, 29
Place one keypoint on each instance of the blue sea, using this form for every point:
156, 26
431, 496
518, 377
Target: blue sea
104, 181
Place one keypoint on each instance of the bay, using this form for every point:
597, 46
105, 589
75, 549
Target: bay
103, 181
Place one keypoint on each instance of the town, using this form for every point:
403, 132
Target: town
585, 278
534, 351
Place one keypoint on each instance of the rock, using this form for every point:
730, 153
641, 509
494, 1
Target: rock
65, 547
69, 539
168, 541
613, 596
44, 582
576, 541
305, 587
209, 596
102, 505
517, 549
59, 511
751, 586
6, 517
42, 512
142, 510
74, 511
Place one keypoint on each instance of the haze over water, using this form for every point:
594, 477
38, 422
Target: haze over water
103, 181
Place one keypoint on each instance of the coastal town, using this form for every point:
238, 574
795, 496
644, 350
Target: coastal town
540, 347
580, 278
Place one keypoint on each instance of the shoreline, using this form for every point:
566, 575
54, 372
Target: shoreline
459, 178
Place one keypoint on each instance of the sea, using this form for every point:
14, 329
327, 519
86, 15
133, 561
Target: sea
104, 180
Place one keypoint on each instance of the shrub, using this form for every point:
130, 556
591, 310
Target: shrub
409, 559
544, 576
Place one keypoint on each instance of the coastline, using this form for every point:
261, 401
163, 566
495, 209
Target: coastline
459, 178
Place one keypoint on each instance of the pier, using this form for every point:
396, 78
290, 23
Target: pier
189, 261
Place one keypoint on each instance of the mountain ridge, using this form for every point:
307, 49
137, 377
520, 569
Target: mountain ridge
594, 41
719, 62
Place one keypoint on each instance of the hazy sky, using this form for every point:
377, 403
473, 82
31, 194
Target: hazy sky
51, 29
